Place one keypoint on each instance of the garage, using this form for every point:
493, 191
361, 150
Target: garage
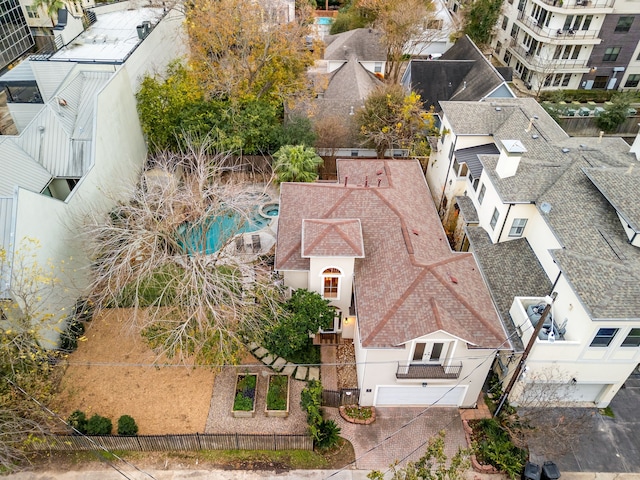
586, 392
419, 395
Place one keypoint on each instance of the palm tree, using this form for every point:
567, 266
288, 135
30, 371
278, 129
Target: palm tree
296, 163
51, 7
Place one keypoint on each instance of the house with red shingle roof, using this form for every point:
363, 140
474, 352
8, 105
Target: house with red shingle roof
423, 324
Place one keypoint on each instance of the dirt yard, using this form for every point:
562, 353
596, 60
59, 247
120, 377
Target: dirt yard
111, 373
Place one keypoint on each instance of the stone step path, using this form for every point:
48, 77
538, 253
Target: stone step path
278, 364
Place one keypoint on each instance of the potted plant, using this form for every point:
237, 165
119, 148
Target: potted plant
277, 396
244, 402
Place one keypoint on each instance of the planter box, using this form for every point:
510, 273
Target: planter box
241, 389
277, 413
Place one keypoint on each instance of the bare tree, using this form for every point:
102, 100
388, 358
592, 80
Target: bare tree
542, 73
543, 421
200, 295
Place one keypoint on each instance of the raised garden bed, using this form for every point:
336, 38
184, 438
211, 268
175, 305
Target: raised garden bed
244, 402
277, 396
357, 414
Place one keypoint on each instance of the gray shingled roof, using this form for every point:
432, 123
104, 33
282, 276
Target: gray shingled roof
364, 43
468, 209
462, 73
511, 269
620, 187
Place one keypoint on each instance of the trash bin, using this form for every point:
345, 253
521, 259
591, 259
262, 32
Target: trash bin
531, 471
550, 471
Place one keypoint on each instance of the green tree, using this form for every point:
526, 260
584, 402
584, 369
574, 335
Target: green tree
480, 20
303, 314
297, 130
392, 119
433, 465
51, 7
296, 163
615, 113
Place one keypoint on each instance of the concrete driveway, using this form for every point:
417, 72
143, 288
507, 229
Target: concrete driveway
612, 444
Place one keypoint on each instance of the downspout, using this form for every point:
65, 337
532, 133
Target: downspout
505, 222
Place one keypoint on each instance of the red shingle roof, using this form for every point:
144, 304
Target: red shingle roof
332, 238
409, 282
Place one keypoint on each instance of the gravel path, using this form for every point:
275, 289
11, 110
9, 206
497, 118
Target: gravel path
221, 421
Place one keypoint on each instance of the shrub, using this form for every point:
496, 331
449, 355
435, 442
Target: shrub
329, 434
127, 425
98, 425
357, 412
78, 421
614, 114
493, 446
69, 338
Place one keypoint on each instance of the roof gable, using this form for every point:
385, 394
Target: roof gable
332, 238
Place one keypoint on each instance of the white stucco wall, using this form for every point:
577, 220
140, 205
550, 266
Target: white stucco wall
345, 265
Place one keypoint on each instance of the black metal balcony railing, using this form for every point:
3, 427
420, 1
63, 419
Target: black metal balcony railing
417, 371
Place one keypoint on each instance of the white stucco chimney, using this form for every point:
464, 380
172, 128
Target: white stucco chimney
510, 155
635, 148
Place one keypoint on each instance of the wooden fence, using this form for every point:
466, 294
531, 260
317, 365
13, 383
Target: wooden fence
191, 442
338, 398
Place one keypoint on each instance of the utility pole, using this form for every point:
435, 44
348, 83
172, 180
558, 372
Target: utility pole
525, 354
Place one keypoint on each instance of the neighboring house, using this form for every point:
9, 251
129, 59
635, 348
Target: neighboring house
363, 44
81, 147
14, 32
422, 321
461, 73
570, 44
544, 212
436, 39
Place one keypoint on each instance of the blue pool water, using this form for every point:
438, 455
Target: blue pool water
211, 236
271, 210
324, 20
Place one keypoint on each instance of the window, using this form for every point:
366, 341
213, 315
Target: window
566, 79
514, 31
507, 57
494, 218
632, 80
587, 22
624, 24
633, 339
378, 67
32, 12
505, 23
604, 337
576, 52
331, 282
483, 190
498, 47
427, 352
517, 227
611, 54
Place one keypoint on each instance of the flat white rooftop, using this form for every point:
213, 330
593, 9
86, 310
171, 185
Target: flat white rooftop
111, 38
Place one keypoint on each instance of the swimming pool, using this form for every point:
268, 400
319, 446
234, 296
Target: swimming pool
270, 209
324, 20
210, 236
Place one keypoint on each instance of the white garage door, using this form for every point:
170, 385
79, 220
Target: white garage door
585, 392
410, 395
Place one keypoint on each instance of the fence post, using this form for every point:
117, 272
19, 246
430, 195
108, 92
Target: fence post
237, 442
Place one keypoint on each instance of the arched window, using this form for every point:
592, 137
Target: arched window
331, 282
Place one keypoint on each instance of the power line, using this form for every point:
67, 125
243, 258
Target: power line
78, 432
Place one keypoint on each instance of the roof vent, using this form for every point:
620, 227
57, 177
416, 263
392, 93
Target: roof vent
565, 150
415, 232
498, 109
453, 279
545, 207
535, 136
582, 145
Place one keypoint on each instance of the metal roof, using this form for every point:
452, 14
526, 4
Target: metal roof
19, 169
20, 73
470, 157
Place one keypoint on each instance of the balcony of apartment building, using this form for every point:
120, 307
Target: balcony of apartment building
536, 63
584, 5
556, 35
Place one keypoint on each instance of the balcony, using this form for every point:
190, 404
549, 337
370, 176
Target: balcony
532, 62
433, 372
579, 4
554, 33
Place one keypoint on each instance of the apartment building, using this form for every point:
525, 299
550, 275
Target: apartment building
15, 36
